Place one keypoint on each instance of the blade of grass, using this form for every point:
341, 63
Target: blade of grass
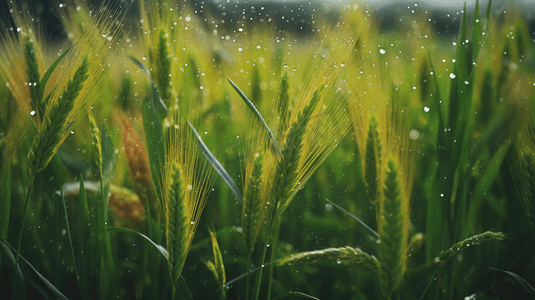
257, 115
155, 95
520, 280
296, 295
49, 72
70, 241
5, 203
354, 217
18, 290
53, 289
160, 248
82, 234
217, 165
152, 123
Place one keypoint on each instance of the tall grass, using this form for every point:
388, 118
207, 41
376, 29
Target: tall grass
416, 136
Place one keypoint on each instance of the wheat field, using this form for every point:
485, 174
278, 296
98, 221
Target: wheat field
179, 149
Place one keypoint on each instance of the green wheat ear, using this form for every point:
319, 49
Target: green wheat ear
343, 255
392, 247
164, 64
458, 247
253, 206
286, 171
177, 233
373, 161
47, 141
95, 132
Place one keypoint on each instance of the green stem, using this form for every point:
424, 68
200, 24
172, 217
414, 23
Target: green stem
429, 283
271, 265
70, 242
30, 186
248, 273
259, 281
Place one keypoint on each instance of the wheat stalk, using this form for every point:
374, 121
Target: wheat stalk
47, 141
343, 255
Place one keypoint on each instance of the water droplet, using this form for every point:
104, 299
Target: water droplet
188, 18
414, 134
189, 187
382, 51
32, 113
426, 109
328, 207
452, 76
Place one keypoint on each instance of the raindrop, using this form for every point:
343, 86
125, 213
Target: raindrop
382, 51
452, 76
414, 134
426, 109
328, 207
32, 113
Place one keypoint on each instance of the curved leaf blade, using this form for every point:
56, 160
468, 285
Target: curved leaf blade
258, 115
160, 248
216, 164
59, 295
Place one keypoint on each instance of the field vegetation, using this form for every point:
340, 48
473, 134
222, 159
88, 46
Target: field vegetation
161, 151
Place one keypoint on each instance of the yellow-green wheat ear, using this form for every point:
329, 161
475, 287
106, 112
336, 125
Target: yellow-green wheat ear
47, 141
33, 75
286, 172
373, 160
95, 133
253, 206
392, 246
528, 199
177, 233
164, 65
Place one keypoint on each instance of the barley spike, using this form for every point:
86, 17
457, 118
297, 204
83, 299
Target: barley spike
48, 140
392, 248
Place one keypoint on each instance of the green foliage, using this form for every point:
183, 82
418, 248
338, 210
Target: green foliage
417, 188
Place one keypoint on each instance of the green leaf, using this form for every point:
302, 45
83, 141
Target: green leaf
18, 285
489, 12
82, 225
216, 164
5, 202
49, 72
354, 217
296, 294
159, 104
109, 160
6, 247
155, 143
520, 280
477, 31
492, 169
160, 248
258, 115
